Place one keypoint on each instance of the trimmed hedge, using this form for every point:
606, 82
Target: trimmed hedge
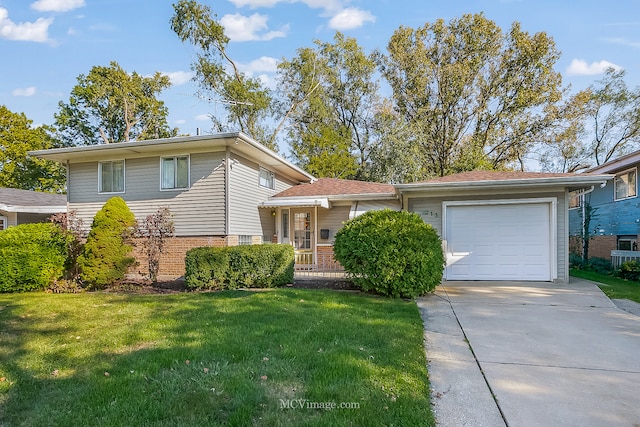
33, 257
257, 266
392, 253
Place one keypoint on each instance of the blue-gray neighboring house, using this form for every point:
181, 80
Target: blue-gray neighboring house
615, 218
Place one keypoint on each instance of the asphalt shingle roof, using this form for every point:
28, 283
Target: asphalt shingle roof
15, 197
334, 186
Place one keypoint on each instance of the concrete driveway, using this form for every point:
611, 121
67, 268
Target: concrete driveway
538, 354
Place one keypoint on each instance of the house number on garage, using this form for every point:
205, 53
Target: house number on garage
430, 213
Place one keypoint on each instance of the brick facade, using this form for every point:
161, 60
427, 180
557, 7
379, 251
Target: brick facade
599, 246
172, 261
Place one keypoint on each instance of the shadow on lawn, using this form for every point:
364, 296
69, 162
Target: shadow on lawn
227, 358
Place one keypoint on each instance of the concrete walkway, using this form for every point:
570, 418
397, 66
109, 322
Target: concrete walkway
531, 354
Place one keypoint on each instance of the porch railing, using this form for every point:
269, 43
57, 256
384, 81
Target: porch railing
323, 266
618, 257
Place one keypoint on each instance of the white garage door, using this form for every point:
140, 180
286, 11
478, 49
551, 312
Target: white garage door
499, 242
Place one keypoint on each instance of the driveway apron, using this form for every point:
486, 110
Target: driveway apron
531, 354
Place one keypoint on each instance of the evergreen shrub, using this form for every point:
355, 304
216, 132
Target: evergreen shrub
257, 266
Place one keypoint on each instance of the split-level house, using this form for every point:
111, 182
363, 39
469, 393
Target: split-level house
228, 189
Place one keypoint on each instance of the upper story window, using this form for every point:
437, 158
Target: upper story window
625, 185
174, 172
267, 179
111, 176
575, 199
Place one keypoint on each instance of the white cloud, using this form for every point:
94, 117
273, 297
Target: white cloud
240, 28
37, 31
203, 117
623, 42
579, 67
180, 121
350, 18
57, 5
264, 64
178, 77
25, 91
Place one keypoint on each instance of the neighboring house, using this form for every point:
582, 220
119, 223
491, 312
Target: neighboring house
228, 189
24, 206
615, 221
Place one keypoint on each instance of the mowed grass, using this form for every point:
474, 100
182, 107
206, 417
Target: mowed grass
275, 358
613, 287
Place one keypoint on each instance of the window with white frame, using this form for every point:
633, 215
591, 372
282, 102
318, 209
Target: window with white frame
174, 172
575, 199
267, 179
3, 223
625, 185
111, 176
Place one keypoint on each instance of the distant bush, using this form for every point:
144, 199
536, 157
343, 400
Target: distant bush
575, 261
630, 270
599, 265
105, 257
258, 266
33, 257
393, 253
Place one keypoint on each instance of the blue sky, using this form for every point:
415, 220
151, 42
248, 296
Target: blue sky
46, 44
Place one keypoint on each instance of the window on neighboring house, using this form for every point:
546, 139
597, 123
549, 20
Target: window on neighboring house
245, 240
627, 243
111, 176
625, 185
3, 223
174, 172
575, 199
267, 179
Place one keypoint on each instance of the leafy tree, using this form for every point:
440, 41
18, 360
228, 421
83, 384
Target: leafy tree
154, 231
472, 96
330, 96
614, 114
17, 169
105, 257
246, 100
110, 105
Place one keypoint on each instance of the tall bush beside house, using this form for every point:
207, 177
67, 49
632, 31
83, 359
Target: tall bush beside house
32, 257
106, 254
392, 253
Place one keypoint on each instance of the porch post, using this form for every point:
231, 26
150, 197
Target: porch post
315, 235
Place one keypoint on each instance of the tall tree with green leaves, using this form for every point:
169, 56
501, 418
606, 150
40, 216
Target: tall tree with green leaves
613, 117
473, 96
330, 96
19, 170
245, 99
110, 105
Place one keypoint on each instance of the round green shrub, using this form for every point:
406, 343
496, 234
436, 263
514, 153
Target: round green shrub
392, 253
105, 257
33, 257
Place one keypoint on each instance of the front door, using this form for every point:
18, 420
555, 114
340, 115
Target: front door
303, 236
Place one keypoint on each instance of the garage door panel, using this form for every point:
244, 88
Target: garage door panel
498, 242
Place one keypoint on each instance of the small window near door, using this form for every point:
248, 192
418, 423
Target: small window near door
285, 224
267, 179
3, 223
625, 185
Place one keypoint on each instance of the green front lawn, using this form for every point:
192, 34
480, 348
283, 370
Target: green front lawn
275, 358
613, 287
